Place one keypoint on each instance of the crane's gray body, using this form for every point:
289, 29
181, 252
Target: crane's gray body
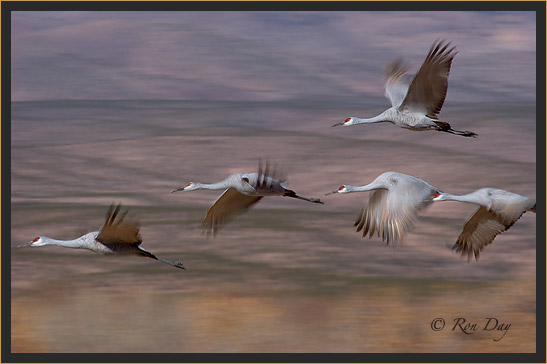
89, 242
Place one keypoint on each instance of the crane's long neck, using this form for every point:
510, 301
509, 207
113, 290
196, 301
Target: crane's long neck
383, 117
371, 186
472, 197
75, 243
214, 186
231, 181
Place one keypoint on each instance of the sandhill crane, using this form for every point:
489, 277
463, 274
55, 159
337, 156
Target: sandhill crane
417, 101
242, 190
498, 211
392, 206
116, 236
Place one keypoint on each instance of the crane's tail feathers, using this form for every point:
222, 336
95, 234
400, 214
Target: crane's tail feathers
444, 126
175, 263
533, 209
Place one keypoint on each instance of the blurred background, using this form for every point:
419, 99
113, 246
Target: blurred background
125, 106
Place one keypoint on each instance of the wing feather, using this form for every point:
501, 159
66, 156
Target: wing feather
481, 229
427, 91
230, 204
119, 231
391, 213
268, 180
397, 82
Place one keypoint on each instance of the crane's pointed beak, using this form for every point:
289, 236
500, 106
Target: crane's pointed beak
29, 243
338, 124
330, 193
178, 189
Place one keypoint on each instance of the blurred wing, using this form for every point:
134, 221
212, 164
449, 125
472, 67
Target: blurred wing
370, 218
427, 91
392, 213
268, 172
397, 82
226, 207
269, 179
481, 229
118, 230
390, 219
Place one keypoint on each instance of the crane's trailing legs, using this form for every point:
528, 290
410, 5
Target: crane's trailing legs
291, 193
174, 263
444, 126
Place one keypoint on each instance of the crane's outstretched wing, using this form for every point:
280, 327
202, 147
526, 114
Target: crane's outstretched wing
428, 89
269, 179
397, 82
371, 218
226, 207
481, 229
392, 213
120, 230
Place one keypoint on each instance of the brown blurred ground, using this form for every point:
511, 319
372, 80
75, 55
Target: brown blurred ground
286, 277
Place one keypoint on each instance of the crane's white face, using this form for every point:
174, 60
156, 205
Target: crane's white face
439, 196
187, 187
38, 241
346, 122
341, 189
190, 186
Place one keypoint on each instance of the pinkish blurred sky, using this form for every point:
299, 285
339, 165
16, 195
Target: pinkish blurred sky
264, 56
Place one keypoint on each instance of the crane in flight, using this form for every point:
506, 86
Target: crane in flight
416, 101
392, 206
498, 211
118, 235
241, 191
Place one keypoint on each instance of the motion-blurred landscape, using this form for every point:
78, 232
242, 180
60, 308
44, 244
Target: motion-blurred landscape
287, 276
